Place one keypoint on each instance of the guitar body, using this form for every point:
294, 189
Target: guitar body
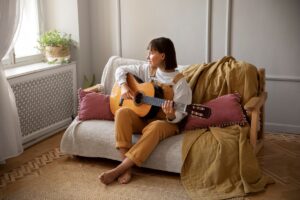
149, 98
140, 109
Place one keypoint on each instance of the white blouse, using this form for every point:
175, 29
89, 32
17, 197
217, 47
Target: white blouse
182, 91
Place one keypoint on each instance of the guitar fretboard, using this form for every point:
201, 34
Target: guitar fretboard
158, 102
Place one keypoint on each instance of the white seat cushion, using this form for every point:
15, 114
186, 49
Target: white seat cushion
96, 138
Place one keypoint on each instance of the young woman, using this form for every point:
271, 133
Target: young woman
161, 70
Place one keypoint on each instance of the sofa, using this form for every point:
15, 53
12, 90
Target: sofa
96, 138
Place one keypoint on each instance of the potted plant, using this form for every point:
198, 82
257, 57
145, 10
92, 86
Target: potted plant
55, 46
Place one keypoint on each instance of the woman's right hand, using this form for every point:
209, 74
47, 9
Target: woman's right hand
126, 92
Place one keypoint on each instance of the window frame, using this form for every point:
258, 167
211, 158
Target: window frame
12, 61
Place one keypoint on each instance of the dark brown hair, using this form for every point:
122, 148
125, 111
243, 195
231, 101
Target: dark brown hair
166, 46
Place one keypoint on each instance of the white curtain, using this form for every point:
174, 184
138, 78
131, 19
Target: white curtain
10, 131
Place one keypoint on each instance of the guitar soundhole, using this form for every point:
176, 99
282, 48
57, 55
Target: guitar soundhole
138, 98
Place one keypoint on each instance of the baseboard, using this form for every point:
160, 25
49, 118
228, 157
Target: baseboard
282, 128
45, 133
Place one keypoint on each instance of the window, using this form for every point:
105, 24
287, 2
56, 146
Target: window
24, 50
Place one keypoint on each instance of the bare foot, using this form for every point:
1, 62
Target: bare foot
122, 169
125, 178
108, 177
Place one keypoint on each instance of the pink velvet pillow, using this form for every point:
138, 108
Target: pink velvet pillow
225, 111
94, 105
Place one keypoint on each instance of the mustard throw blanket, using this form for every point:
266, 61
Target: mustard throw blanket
219, 163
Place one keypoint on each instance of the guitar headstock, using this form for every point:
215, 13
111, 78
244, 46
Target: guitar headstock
198, 110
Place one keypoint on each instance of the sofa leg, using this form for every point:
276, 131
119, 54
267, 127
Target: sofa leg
253, 129
259, 146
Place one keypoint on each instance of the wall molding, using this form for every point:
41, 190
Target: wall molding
119, 28
282, 128
228, 27
283, 78
208, 31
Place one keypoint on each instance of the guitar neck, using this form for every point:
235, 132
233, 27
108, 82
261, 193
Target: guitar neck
154, 101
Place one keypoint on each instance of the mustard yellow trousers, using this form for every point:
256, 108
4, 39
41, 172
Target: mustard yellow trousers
152, 132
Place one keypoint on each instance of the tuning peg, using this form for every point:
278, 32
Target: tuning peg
197, 114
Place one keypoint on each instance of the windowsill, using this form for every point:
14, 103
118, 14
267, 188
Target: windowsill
29, 69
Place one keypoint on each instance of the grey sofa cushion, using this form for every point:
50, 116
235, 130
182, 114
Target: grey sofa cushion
96, 138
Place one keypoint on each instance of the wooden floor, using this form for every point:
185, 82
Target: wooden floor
279, 158
32, 152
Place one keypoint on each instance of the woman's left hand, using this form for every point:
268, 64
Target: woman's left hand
168, 109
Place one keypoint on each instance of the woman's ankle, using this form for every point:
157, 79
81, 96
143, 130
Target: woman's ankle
123, 151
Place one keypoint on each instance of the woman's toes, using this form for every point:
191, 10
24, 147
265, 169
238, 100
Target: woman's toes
106, 178
125, 178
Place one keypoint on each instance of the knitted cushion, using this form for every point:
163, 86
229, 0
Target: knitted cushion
226, 110
93, 105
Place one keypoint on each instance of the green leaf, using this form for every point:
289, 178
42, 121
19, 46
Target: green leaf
88, 83
54, 38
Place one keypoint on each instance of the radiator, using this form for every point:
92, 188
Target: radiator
45, 100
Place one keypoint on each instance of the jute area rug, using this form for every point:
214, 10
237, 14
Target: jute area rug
53, 175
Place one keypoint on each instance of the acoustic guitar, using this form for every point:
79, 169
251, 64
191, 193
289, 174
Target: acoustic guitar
145, 99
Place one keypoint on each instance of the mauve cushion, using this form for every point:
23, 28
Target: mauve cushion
94, 105
226, 110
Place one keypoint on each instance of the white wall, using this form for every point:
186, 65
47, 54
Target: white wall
84, 45
264, 33
267, 34
104, 33
182, 21
72, 17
